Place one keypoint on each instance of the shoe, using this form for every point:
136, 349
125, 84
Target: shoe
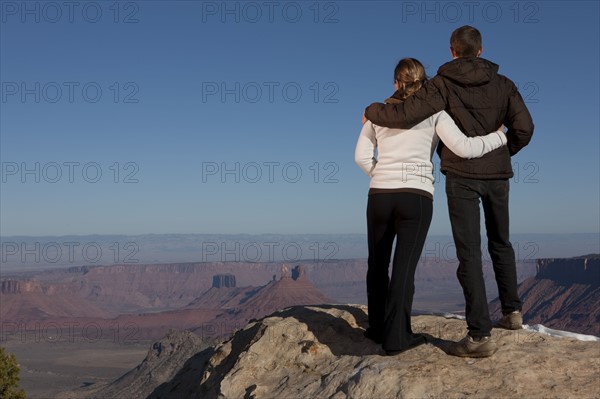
473, 347
373, 335
511, 321
417, 339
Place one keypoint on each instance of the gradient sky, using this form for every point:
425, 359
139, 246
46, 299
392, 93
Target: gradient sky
242, 117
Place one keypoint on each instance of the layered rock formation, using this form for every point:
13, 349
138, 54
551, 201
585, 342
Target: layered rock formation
579, 270
213, 315
292, 289
139, 288
240, 305
224, 280
26, 300
320, 352
564, 294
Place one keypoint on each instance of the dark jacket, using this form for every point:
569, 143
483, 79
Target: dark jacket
479, 100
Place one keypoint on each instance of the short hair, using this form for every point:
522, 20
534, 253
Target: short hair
466, 41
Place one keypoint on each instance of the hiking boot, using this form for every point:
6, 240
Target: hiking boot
511, 321
473, 347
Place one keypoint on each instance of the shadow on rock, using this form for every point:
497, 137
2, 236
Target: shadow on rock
187, 380
342, 338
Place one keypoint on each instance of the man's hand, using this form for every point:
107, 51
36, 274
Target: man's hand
364, 119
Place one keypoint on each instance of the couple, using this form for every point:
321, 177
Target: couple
405, 131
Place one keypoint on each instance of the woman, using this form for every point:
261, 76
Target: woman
400, 205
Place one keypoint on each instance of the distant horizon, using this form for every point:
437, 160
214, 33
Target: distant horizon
33, 252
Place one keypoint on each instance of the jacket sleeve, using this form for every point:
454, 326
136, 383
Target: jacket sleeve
463, 146
416, 108
518, 121
364, 154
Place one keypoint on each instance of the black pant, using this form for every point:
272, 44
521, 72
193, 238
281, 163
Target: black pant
463, 206
406, 217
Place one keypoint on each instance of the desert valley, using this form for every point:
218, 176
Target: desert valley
83, 327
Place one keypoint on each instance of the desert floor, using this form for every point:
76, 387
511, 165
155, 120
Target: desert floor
50, 366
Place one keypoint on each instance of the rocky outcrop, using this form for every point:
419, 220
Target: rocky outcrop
223, 280
564, 294
320, 352
23, 286
164, 359
580, 270
10, 287
292, 289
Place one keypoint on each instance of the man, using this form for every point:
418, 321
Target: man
479, 100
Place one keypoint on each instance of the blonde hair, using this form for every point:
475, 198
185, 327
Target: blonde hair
410, 75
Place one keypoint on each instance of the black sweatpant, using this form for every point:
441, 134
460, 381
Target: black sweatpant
405, 217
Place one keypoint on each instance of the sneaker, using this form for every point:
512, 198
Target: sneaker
473, 347
511, 321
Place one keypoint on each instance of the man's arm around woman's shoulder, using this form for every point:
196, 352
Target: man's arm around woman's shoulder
404, 115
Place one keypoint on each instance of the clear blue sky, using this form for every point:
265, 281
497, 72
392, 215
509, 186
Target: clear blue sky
272, 92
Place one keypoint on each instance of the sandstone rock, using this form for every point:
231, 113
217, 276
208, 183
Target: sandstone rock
320, 352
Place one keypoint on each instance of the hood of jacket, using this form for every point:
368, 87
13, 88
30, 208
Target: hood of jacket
469, 71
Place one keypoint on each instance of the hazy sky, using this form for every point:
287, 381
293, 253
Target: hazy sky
242, 117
